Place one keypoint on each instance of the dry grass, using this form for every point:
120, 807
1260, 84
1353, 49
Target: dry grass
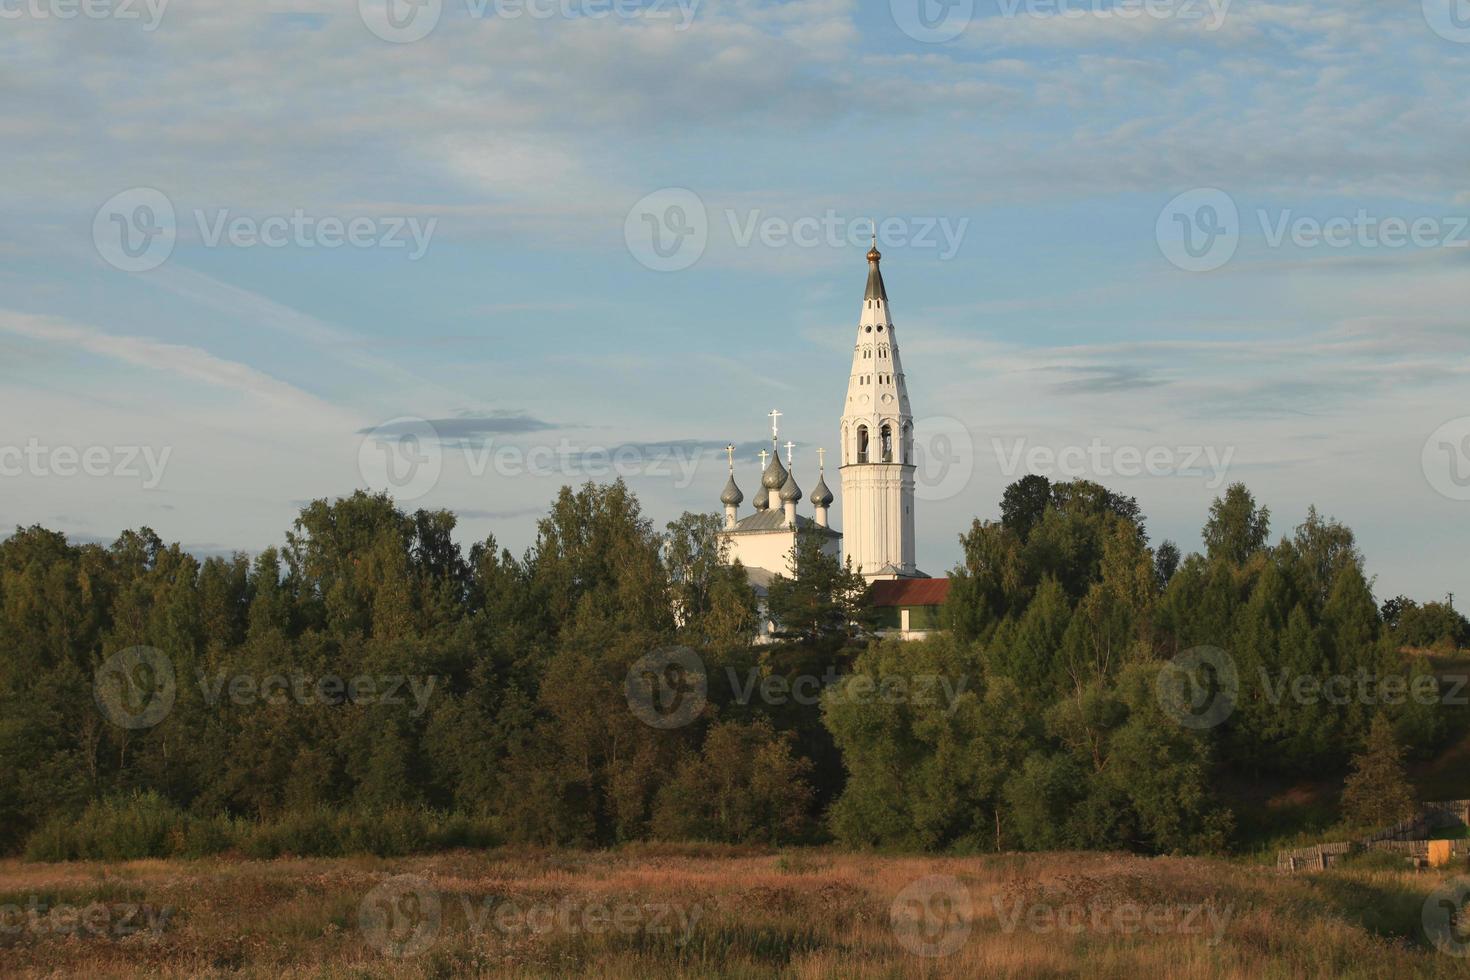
715, 912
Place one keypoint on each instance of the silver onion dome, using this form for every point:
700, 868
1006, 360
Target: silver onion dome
790, 492
821, 496
774, 477
732, 497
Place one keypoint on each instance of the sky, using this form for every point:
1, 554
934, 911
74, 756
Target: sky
261, 252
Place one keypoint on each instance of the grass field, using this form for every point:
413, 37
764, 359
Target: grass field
716, 912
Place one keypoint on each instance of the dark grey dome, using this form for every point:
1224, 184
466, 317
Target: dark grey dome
732, 497
790, 493
775, 476
762, 498
821, 496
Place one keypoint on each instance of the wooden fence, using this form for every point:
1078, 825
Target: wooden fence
1410, 838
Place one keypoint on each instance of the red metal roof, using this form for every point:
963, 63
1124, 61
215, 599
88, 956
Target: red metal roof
910, 592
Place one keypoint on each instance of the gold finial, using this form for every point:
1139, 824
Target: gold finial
873, 254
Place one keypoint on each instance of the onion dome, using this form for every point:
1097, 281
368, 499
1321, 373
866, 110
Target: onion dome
790, 493
762, 498
775, 476
732, 497
821, 496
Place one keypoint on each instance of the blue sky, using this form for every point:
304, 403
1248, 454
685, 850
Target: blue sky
1052, 139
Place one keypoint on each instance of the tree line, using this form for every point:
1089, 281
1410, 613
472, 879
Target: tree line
1042, 726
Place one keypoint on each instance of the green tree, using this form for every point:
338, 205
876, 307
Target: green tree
1237, 529
1377, 792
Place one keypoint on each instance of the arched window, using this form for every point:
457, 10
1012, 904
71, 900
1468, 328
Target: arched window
862, 444
887, 443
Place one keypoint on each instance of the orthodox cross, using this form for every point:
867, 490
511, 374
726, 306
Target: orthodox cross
821, 459
775, 425
763, 454
730, 451
789, 446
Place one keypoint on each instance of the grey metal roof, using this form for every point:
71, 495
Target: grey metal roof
775, 520
821, 496
762, 498
732, 497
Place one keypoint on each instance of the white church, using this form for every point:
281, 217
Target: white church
876, 464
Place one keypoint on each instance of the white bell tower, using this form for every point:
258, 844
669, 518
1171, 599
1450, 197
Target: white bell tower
877, 461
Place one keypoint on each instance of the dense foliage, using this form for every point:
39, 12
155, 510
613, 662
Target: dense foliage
1034, 722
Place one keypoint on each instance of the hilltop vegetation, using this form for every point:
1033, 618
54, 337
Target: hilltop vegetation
372, 687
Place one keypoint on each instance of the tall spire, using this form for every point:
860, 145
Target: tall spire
875, 276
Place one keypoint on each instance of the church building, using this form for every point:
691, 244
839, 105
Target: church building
876, 467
